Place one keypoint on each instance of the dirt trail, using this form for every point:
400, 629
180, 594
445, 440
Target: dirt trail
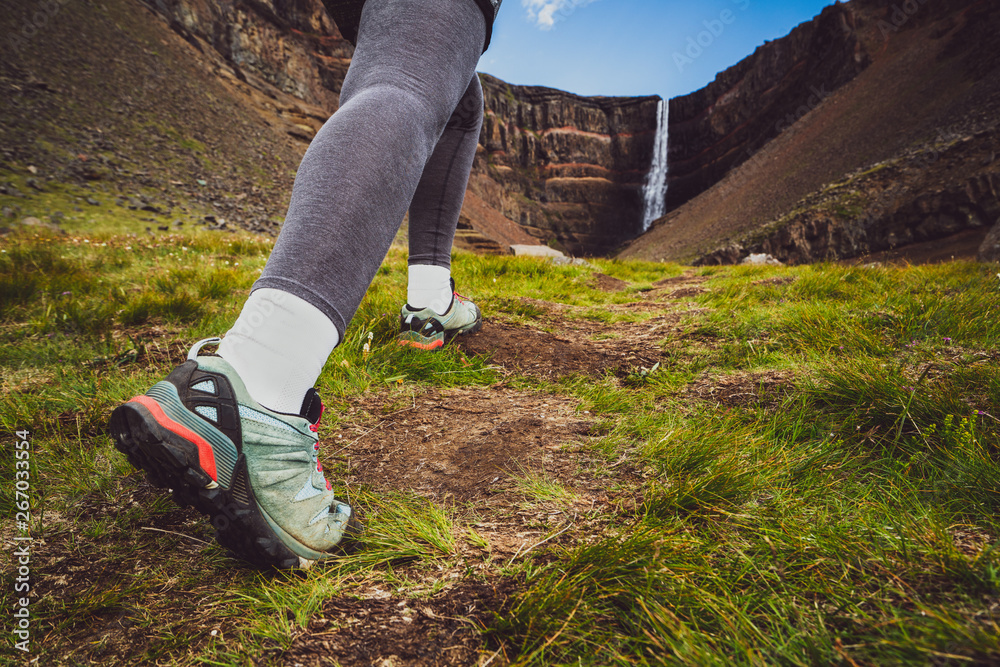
476, 450
574, 344
389, 632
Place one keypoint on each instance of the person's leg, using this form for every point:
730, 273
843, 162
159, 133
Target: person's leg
434, 313
411, 68
204, 431
437, 204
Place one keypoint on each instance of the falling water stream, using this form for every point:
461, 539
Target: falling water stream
654, 192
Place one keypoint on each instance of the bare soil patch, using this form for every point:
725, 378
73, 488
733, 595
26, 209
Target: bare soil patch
578, 345
607, 283
445, 629
474, 448
527, 351
683, 286
578, 341
464, 444
765, 389
150, 345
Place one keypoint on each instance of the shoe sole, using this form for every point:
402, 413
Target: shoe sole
427, 343
171, 460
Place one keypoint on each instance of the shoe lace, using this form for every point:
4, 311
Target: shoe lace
315, 455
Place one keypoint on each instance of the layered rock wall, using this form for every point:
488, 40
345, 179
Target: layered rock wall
291, 44
567, 168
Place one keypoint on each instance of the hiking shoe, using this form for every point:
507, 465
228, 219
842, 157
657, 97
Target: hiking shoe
426, 330
253, 471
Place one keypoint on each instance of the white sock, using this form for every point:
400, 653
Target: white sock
278, 346
429, 287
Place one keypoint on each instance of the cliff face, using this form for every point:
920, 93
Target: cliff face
290, 44
569, 169
719, 127
566, 168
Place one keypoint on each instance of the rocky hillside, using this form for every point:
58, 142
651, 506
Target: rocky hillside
721, 126
112, 98
292, 45
903, 152
217, 91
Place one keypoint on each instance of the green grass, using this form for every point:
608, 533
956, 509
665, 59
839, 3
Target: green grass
850, 518
538, 487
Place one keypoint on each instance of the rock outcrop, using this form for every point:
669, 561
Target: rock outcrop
719, 127
989, 250
567, 168
925, 196
292, 45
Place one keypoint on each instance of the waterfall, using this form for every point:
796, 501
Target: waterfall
654, 192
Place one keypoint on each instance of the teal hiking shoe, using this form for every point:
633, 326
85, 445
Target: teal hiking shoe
426, 330
253, 471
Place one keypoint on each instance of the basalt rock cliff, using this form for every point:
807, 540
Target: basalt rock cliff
289, 50
566, 168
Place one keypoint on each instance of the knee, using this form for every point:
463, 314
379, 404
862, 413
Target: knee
468, 115
400, 106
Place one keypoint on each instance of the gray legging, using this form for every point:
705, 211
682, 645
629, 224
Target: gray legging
405, 136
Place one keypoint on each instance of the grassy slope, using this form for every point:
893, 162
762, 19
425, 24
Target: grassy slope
843, 510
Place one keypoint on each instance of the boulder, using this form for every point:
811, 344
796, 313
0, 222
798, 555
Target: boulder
761, 259
989, 251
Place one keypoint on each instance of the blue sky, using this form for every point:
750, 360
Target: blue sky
633, 47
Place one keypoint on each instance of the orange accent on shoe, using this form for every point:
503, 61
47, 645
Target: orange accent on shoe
206, 457
423, 346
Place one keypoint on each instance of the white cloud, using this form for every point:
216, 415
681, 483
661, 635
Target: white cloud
545, 13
